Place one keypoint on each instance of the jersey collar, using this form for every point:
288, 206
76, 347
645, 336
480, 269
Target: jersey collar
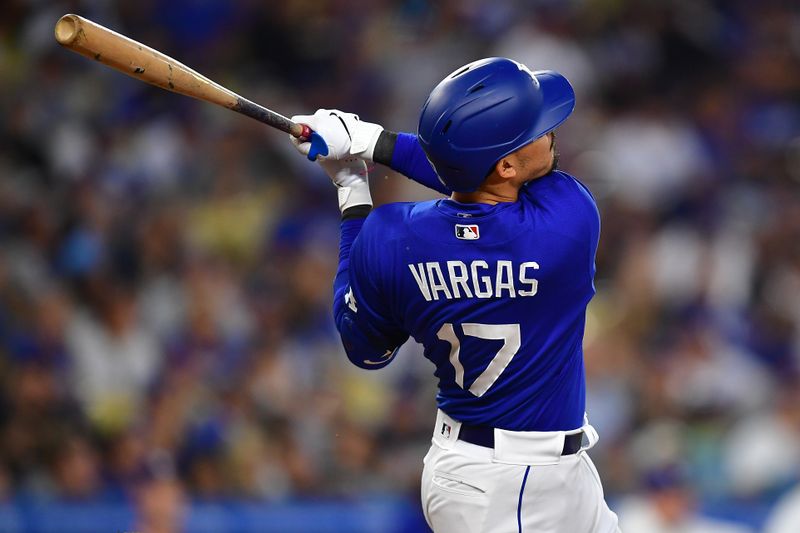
451, 207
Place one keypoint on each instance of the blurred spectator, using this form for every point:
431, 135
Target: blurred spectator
668, 506
756, 455
652, 156
786, 515
76, 469
115, 359
160, 498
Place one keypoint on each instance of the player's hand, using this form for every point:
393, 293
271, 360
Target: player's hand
351, 179
344, 133
330, 128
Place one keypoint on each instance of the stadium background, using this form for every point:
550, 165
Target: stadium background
168, 359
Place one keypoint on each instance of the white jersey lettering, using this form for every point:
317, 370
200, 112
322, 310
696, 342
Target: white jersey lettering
478, 279
533, 283
504, 280
459, 280
421, 279
486, 291
436, 279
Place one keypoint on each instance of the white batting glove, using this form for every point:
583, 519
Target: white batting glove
351, 179
344, 133
330, 128
363, 135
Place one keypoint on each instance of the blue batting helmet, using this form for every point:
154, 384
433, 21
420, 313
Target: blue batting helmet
484, 111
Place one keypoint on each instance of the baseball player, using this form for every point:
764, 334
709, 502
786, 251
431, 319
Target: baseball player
493, 281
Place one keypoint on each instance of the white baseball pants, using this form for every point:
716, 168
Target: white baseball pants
522, 485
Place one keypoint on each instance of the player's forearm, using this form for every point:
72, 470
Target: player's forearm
402, 152
357, 344
352, 220
350, 227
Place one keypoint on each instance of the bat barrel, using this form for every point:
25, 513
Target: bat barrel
151, 66
67, 29
138, 60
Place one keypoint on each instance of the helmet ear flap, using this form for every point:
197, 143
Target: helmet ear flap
486, 110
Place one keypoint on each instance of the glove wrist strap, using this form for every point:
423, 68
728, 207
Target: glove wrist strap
357, 211
364, 138
353, 195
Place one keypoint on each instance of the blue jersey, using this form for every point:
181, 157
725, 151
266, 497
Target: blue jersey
496, 294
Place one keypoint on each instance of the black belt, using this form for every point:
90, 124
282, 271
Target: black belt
484, 436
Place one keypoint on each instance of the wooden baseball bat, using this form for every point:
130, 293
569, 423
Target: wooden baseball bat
144, 63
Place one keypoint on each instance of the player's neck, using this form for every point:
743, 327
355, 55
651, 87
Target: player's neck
490, 192
481, 197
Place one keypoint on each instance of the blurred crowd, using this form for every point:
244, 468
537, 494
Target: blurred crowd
166, 266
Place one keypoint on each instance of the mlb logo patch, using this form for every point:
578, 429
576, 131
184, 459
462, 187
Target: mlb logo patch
467, 232
446, 430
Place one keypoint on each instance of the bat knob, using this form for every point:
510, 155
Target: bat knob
305, 133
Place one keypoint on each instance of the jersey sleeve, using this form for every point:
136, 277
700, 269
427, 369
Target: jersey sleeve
369, 335
407, 157
592, 217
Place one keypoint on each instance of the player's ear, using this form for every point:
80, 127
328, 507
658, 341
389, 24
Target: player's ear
505, 168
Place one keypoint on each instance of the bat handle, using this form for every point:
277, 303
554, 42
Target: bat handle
318, 144
305, 132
